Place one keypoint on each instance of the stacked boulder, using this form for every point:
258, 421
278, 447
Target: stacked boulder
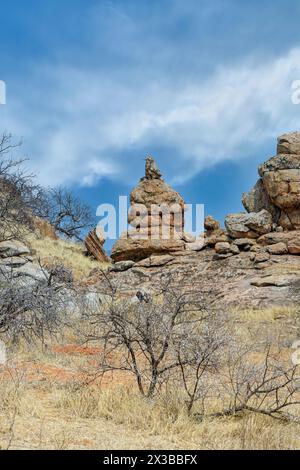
156, 217
278, 189
272, 222
270, 226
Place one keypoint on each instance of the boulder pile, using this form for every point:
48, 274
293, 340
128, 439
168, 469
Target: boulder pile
270, 226
251, 262
272, 220
17, 263
156, 218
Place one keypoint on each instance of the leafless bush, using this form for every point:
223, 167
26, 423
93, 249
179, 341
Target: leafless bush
171, 337
259, 380
66, 213
30, 309
148, 336
20, 196
200, 355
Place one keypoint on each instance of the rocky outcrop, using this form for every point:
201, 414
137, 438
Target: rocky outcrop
211, 225
250, 225
156, 217
278, 189
246, 280
289, 143
17, 263
291, 240
94, 245
253, 262
138, 249
258, 199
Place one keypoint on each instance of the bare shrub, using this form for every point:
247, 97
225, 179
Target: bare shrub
151, 336
30, 309
260, 381
20, 196
66, 213
171, 338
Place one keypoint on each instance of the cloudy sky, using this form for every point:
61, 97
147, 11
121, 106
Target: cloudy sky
94, 86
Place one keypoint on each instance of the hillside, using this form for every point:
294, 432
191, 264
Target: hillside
173, 343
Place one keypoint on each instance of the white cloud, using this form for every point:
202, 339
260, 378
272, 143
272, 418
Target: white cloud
79, 126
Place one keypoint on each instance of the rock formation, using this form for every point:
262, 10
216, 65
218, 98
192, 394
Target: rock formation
94, 245
278, 189
252, 262
16, 262
156, 217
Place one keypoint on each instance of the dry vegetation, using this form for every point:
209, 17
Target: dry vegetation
159, 370
49, 402
65, 252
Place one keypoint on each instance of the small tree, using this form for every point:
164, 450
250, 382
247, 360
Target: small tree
171, 335
66, 213
147, 336
20, 196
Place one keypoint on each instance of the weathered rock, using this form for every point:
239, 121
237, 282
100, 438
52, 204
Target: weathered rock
260, 222
281, 179
211, 224
155, 261
250, 225
218, 236
277, 249
14, 261
274, 237
242, 242
290, 239
121, 266
223, 248
236, 226
219, 256
93, 244
136, 250
279, 162
157, 215
261, 257
13, 248
277, 280
187, 238
198, 245
155, 192
31, 271
234, 249
152, 170
293, 243
283, 187
258, 199
289, 143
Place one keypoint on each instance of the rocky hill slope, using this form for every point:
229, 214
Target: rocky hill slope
253, 262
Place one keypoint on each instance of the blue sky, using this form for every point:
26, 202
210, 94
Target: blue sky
204, 86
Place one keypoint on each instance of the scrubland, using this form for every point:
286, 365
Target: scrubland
52, 398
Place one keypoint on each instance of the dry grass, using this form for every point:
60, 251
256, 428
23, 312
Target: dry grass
49, 416
271, 314
71, 255
44, 405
